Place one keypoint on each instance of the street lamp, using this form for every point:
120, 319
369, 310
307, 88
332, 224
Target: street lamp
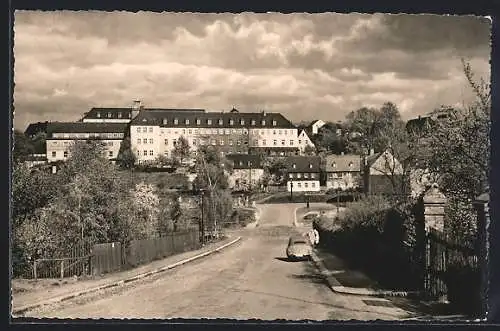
307, 200
291, 190
202, 222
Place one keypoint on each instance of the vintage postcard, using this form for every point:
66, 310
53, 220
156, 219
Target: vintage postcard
250, 166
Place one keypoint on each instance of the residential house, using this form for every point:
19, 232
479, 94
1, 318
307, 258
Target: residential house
314, 126
343, 171
36, 128
303, 173
247, 171
61, 135
304, 142
155, 132
383, 174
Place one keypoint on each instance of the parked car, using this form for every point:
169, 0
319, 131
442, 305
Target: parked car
299, 248
311, 215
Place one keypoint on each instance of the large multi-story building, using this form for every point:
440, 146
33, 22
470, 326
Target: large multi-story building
60, 137
155, 132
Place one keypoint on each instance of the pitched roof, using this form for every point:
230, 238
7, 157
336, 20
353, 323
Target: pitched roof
85, 127
166, 118
303, 163
343, 163
108, 113
34, 128
245, 161
371, 159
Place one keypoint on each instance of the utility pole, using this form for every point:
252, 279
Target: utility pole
202, 218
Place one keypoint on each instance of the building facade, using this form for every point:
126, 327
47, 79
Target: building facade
343, 171
247, 171
303, 173
61, 136
155, 132
383, 174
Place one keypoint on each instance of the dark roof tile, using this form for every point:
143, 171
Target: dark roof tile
303, 163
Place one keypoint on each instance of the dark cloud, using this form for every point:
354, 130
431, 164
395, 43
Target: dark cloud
303, 65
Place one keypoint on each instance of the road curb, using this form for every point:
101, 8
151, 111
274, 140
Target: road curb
26, 308
337, 287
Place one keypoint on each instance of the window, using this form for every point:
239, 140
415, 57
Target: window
274, 123
313, 175
190, 131
186, 121
255, 142
145, 153
53, 154
299, 175
275, 142
110, 143
176, 121
119, 115
145, 140
138, 152
110, 153
194, 142
151, 129
285, 131
350, 164
313, 184
214, 142
150, 140
233, 131
294, 166
239, 142
300, 142
227, 131
174, 142
305, 184
221, 121
98, 115
145, 129
165, 121
138, 130
310, 166
214, 131
291, 142
221, 142
109, 115
230, 142
66, 143
290, 175
242, 122
151, 153
306, 175
263, 122
240, 131
264, 142
209, 122
196, 131
198, 121
274, 131
65, 153
334, 165
221, 131
299, 184
183, 131
279, 131
283, 142
253, 122
231, 122
166, 141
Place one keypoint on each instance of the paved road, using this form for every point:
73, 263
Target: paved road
250, 280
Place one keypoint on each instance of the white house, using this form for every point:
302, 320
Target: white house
303, 173
316, 125
304, 141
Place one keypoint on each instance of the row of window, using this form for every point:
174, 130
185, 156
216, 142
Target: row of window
146, 129
66, 154
220, 122
89, 135
306, 185
304, 175
221, 142
109, 115
67, 143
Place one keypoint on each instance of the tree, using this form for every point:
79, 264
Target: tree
23, 146
327, 139
309, 150
276, 168
126, 157
363, 124
181, 149
460, 143
146, 206
175, 210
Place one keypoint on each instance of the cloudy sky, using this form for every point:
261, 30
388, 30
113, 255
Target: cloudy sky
306, 66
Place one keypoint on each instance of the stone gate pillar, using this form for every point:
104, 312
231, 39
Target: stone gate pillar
481, 204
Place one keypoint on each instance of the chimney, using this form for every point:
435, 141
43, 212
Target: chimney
263, 112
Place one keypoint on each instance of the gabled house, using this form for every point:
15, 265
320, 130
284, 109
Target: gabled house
382, 174
343, 171
247, 171
314, 126
303, 173
304, 141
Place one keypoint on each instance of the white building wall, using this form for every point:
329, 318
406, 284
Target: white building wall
243, 175
304, 186
344, 181
56, 148
386, 164
106, 120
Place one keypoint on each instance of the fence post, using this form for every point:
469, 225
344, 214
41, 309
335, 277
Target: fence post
481, 205
62, 269
34, 269
433, 203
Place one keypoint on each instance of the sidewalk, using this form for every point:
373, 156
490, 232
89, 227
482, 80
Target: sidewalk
29, 293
